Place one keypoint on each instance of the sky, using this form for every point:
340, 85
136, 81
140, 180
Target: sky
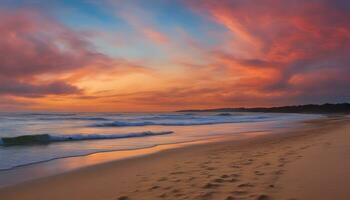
165, 55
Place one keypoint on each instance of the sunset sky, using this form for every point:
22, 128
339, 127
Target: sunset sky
164, 55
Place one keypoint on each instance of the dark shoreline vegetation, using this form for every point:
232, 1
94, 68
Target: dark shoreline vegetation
340, 108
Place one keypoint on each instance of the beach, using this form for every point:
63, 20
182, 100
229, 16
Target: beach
311, 163
174, 100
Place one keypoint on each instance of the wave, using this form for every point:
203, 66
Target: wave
167, 117
224, 114
180, 123
47, 138
47, 114
75, 118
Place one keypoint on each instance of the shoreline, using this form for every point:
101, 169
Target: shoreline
207, 140
165, 159
36, 154
105, 157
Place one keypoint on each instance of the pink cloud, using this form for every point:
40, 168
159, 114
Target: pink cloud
33, 46
288, 44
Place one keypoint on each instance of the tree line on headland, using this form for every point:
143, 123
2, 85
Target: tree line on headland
309, 108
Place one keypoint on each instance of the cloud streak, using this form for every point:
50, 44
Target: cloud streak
223, 53
297, 47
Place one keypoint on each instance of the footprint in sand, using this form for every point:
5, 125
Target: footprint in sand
304, 147
177, 173
235, 166
163, 195
225, 176
179, 195
230, 198
123, 198
210, 168
163, 179
239, 192
233, 180
154, 187
246, 163
176, 180
167, 188
175, 191
235, 175
283, 159
211, 185
243, 185
259, 173
207, 195
263, 197
191, 178
290, 153
279, 172
219, 180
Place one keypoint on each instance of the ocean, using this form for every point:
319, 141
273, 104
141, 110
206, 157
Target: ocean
79, 134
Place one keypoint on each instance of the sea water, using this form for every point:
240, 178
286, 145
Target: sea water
80, 134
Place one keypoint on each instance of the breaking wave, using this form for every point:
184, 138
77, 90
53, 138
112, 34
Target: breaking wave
47, 138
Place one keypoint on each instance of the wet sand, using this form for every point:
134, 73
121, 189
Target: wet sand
312, 163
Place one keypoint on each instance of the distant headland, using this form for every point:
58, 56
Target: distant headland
309, 108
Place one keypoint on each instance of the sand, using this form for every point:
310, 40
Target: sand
313, 163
